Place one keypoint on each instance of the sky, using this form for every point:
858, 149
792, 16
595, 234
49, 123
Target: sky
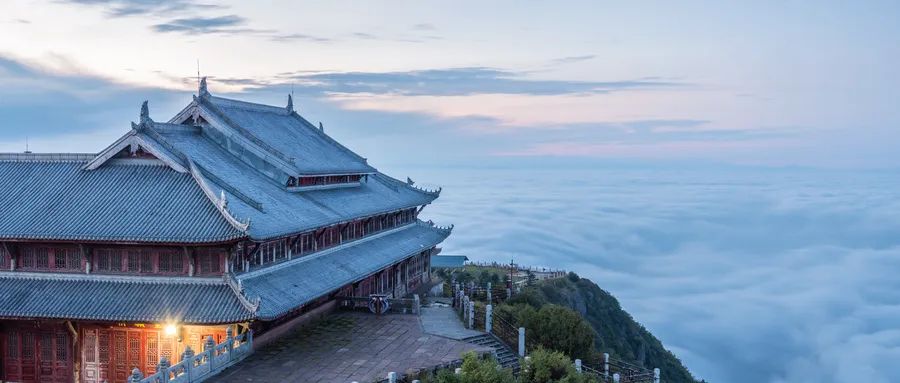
738, 158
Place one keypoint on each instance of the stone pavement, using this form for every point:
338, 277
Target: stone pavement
346, 347
444, 321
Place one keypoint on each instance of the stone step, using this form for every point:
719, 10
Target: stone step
505, 357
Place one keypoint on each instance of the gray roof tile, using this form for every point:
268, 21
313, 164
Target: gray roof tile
148, 203
132, 299
287, 286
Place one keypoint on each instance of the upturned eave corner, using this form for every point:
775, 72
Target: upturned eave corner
219, 201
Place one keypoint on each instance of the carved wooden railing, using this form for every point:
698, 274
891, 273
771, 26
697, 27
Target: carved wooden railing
199, 367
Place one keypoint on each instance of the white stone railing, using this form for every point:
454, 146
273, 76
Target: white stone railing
199, 367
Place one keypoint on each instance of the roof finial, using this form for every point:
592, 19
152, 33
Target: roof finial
145, 114
290, 105
203, 92
321, 127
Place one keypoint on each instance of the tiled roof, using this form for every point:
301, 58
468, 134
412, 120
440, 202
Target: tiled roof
284, 287
448, 261
148, 203
107, 298
283, 212
307, 147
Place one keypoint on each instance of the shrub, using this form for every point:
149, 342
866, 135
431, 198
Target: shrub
546, 366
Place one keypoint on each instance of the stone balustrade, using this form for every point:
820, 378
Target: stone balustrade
199, 367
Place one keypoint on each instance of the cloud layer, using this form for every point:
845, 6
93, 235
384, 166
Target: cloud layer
748, 276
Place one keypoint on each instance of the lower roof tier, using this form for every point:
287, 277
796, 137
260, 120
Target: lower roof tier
289, 285
119, 299
278, 289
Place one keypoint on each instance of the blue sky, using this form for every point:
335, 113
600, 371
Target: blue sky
776, 83
728, 170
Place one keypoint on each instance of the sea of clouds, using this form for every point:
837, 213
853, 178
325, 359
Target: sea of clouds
747, 275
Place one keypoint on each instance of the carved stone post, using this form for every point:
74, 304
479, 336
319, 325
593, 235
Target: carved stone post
655, 375
605, 365
472, 315
616, 378
229, 342
578, 365
136, 376
163, 369
489, 292
488, 318
187, 358
209, 347
521, 341
417, 304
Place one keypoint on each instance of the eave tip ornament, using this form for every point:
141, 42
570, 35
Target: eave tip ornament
203, 92
145, 119
290, 105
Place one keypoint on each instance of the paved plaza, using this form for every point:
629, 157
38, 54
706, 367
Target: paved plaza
353, 346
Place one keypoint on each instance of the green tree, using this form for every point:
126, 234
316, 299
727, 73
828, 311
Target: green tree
544, 366
477, 370
553, 327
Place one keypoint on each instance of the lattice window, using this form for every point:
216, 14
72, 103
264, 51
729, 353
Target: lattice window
62, 347
46, 346
152, 351
41, 258
73, 259
4, 258
59, 259
28, 345
134, 345
119, 349
103, 346
171, 261
146, 262
12, 344
134, 261
210, 261
90, 347
165, 349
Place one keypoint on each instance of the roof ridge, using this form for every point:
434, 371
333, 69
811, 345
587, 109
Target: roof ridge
47, 157
157, 280
254, 106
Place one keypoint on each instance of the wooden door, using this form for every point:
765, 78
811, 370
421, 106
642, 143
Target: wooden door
110, 354
37, 354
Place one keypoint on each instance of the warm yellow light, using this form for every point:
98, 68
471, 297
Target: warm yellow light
170, 330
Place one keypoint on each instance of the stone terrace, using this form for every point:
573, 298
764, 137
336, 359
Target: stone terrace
346, 347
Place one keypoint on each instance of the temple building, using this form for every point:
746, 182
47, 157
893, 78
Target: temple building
230, 216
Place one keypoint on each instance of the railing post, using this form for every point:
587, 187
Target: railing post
392, 377
578, 365
465, 308
488, 318
655, 375
163, 369
472, 315
521, 341
136, 376
229, 343
209, 347
606, 365
417, 304
489, 292
187, 359
616, 378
